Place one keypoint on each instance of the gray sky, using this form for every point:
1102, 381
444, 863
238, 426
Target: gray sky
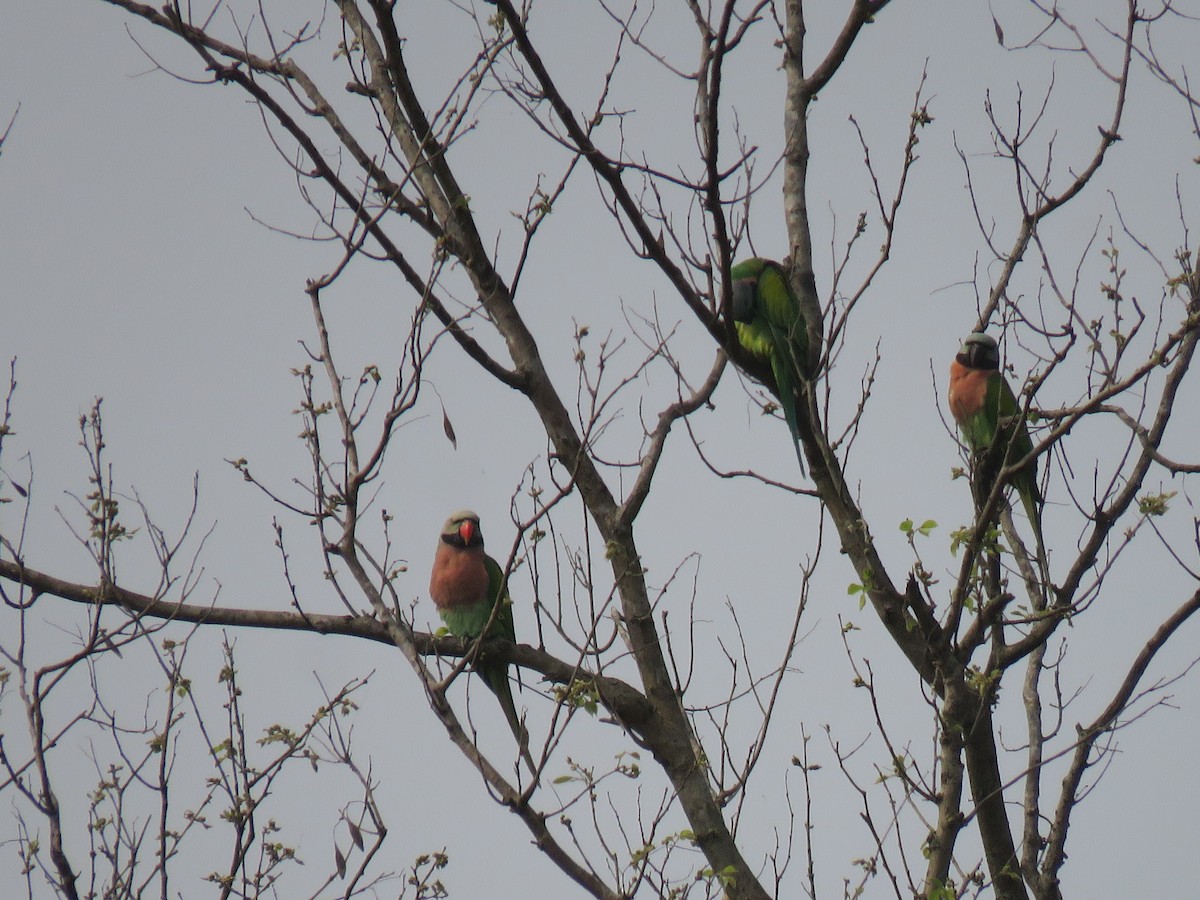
133, 269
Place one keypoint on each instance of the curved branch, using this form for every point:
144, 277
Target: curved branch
1102, 724
658, 439
625, 702
1049, 203
609, 172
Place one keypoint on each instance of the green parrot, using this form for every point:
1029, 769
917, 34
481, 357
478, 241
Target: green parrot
466, 584
770, 327
986, 409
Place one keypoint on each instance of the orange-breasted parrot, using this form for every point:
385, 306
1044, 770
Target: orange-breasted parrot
466, 585
770, 327
986, 409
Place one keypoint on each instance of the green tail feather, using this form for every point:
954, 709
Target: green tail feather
1031, 499
496, 678
782, 367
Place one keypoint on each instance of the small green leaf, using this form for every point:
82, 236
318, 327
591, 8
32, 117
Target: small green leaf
1155, 504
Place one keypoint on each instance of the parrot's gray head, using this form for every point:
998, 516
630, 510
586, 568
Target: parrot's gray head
742, 305
462, 528
979, 351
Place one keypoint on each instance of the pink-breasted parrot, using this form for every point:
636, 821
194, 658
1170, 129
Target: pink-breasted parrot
466, 585
986, 410
770, 328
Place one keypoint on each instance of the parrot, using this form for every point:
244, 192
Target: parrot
985, 409
466, 584
770, 327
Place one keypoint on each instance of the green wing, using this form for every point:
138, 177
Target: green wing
999, 406
775, 333
1007, 420
779, 307
498, 593
1002, 418
1020, 446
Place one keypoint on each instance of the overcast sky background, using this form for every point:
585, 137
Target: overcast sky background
133, 270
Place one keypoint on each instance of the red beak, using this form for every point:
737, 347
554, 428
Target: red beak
466, 531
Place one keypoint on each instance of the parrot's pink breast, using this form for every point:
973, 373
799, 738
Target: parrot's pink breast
968, 391
459, 577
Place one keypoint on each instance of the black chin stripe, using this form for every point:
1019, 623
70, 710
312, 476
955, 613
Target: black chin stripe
977, 359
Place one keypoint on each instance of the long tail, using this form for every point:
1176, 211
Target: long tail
787, 400
1032, 502
496, 678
